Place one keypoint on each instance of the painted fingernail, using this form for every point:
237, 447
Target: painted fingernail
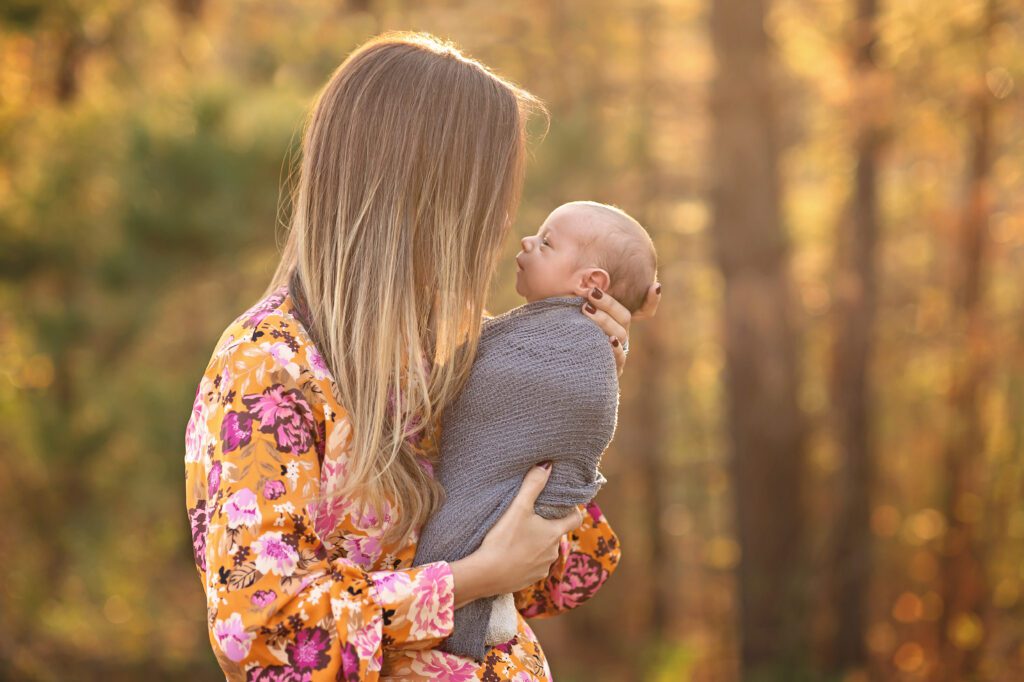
597, 293
615, 341
590, 308
658, 290
546, 464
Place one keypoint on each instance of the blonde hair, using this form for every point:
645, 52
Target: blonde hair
412, 168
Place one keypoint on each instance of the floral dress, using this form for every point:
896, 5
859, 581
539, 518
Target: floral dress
299, 591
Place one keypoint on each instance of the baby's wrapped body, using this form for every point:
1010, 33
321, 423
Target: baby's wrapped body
543, 386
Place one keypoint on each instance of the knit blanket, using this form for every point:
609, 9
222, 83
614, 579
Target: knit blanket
543, 386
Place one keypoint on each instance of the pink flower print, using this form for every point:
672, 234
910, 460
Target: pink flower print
213, 479
368, 519
367, 641
242, 510
232, 638
262, 598
273, 489
280, 352
235, 430
196, 432
363, 550
594, 511
197, 520
507, 647
283, 356
436, 665
329, 514
274, 555
582, 576
262, 309
286, 414
309, 651
433, 599
333, 469
535, 607
278, 673
317, 364
349, 671
393, 586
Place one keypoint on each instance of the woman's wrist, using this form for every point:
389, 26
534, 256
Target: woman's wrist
472, 576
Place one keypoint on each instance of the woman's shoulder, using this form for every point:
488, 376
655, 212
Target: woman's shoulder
266, 339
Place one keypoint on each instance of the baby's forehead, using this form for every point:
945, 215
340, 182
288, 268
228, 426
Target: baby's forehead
580, 223
591, 225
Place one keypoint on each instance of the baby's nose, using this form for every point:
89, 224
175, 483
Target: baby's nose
525, 243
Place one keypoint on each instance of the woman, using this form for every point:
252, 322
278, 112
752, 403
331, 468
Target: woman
309, 450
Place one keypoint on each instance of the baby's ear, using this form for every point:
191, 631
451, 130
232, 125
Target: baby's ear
592, 277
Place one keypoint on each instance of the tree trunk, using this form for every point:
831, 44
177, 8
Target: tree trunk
648, 406
765, 424
855, 301
964, 589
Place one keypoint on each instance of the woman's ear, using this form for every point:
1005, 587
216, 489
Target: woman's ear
590, 278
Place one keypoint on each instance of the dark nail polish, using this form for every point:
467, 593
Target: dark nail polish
597, 293
590, 308
546, 464
615, 341
657, 290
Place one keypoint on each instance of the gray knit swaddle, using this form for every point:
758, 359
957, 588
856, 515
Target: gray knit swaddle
543, 385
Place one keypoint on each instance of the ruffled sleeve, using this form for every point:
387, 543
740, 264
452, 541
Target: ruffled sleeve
278, 608
586, 558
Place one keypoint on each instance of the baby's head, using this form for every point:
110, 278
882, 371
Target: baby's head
586, 244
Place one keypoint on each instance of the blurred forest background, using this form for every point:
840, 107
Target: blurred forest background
818, 468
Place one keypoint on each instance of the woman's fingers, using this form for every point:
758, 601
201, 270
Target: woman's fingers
533, 483
610, 315
650, 306
620, 354
572, 521
613, 318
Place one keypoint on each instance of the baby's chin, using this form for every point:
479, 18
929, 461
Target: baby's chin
531, 296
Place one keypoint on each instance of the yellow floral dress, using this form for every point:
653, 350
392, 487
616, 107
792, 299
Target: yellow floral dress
308, 592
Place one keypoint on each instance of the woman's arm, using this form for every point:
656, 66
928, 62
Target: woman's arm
586, 557
472, 575
276, 604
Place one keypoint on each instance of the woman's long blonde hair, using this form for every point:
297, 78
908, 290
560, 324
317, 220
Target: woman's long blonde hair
412, 167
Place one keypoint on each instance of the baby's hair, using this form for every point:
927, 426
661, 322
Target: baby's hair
625, 250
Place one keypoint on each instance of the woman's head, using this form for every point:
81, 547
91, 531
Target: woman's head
412, 165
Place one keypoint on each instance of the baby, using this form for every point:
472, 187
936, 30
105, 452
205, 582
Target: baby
543, 385
585, 244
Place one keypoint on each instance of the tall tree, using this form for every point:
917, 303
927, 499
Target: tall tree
964, 588
765, 423
854, 309
647, 412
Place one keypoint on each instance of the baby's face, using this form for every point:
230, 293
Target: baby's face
547, 265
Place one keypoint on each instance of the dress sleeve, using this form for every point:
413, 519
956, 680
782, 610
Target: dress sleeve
586, 557
278, 608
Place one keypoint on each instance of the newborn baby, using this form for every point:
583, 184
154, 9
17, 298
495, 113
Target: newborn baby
543, 386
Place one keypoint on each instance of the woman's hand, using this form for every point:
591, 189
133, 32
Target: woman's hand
520, 548
613, 317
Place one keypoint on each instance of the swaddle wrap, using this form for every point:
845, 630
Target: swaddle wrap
543, 385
